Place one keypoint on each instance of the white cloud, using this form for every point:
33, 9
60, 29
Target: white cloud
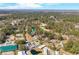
23, 6
39, 1
29, 5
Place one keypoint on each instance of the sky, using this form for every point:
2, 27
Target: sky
59, 6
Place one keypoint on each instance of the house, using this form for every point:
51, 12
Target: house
42, 46
8, 53
36, 51
35, 37
17, 30
65, 37
51, 17
43, 25
37, 42
45, 50
12, 37
57, 52
28, 37
24, 53
77, 26
14, 22
19, 36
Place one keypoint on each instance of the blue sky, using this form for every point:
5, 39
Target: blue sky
67, 6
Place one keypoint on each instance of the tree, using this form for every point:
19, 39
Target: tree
2, 37
60, 38
72, 46
8, 30
20, 41
21, 44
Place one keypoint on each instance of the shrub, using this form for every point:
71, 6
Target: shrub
20, 42
72, 46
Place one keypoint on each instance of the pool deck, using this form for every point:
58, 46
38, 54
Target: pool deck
6, 44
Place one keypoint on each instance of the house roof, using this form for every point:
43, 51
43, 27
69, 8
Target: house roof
37, 49
42, 46
12, 37
28, 37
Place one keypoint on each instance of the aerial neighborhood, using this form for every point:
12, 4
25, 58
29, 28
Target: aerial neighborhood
39, 33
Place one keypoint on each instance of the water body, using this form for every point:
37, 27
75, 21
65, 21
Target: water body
8, 48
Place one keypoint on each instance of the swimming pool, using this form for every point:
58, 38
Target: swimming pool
8, 48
